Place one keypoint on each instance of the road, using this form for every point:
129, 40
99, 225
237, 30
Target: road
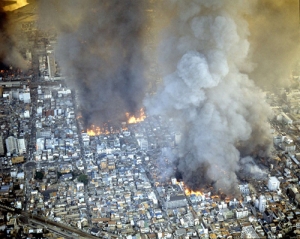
50, 228
57, 227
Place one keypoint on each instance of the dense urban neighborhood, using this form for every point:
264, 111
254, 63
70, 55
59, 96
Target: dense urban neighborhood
61, 179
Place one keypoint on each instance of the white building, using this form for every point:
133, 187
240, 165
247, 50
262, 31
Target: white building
249, 232
288, 147
64, 91
79, 186
262, 203
11, 145
241, 213
39, 110
273, 184
26, 114
244, 189
85, 137
25, 97
152, 197
40, 145
22, 146
174, 181
20, 175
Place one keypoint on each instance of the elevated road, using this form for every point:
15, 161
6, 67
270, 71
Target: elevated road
44, 221
53, 229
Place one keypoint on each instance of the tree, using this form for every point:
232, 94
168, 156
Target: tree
83, 178
39, 175
59, 174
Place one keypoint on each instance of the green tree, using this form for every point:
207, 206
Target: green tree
39, 175
59, 174
83, 178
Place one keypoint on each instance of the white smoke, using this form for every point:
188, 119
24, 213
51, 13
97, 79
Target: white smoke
217, 109
166, 164
251, 169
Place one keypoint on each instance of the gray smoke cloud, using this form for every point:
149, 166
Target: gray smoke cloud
9, 52
219, 111
166, 162
251, 170
275, 48
99, 49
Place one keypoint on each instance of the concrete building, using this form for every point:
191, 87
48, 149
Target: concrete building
262, 203
11, 145
244, 189
22, 146
241, 212
26, 114
51, 62
288, 147
175, 201
248, 232
277, 139
273, 184
43, 133
25, 97
40, 145
1, 146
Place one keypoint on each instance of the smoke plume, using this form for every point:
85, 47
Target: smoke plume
251, 170
219, 111
275, 48
99, 49
9, 53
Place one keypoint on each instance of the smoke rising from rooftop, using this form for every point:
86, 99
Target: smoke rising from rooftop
219, 111
99, 49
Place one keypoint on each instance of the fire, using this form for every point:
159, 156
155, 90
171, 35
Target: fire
18, 4
189, 192
133, 120
96, 130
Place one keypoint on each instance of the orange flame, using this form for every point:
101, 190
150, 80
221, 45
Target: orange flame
15, 6
189, 192
96, 130
133, 120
